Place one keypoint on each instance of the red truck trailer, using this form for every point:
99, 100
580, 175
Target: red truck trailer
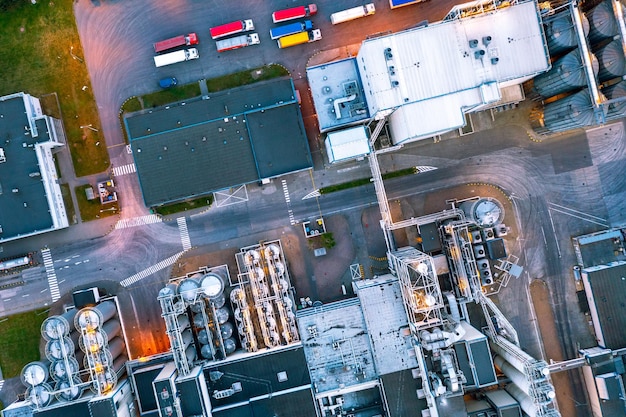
182, 40
231, 28
294, 13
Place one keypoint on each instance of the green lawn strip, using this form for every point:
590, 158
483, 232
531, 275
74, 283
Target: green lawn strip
171, 95
92, 209
184, 206
40, 41
363, 181
69, 204
246, 77
20, 335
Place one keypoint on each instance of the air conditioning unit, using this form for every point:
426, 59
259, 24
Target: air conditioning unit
479, 251
489, 233
476, 236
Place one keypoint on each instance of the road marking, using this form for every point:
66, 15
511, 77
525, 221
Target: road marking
129, 150
1, 384
425, 168
151, 270
26, 295
569, 212
124, 169
292, 219
138, 221
312, 194
556, 238
184, 233
52, 276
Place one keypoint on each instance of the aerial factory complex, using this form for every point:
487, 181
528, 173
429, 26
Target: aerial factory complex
425, 217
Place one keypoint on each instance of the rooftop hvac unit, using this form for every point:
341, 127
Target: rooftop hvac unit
489, 233
486, 40
485, 272
473, 43
388, 54
501, 230
479, 251
476, 236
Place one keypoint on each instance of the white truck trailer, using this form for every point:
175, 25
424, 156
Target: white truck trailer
176, 56
353, 13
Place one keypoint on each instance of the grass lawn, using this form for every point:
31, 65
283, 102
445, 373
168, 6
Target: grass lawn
69, 204
19, 341
41, 44
92, 209
246, 77
184, 206
171, 95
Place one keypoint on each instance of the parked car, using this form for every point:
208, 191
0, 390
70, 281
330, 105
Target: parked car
168, 82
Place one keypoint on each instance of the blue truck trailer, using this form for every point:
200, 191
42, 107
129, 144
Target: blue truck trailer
290, 29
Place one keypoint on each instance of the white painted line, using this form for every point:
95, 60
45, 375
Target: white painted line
53, 285
556, 238
184, 233
44, 290
26, 295
578, 217
579, 212
151, 270
138, 221
124, 169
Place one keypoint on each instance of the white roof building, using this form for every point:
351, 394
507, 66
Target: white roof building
427, 78
347, 144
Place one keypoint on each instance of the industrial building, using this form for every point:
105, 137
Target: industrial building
30, 195
424, 80
585, 86
189, 149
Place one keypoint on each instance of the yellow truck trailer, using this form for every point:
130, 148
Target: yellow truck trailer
299, 38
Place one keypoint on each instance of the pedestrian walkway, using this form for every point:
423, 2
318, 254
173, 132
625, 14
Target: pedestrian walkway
124, 169
138, 221
52, 276
292, 219
184, 233
149, 271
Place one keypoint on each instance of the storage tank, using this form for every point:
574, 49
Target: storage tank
96, 339
570, 112
55, 327
188, 289
611, 60
218, 302
236, 294
56, 348
170, 290
204, 337
40, 395
62, 369
227, 330
35, 373
484, 211
230, 345
613, 92
183, 321
197, 306
212, 285
116, 347
561, 33
207, 351
111, 328
119, 363
94, 317
567, 74
190, 353
104, 381
221, 315
67, 392
602, 22
198, 320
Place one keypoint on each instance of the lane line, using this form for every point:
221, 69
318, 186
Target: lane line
578, 217
579, 212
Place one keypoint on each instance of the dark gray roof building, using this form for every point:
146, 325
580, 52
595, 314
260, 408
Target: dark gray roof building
225, 139
30, 196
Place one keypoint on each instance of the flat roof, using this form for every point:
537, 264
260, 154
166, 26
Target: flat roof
225, 139
336, 344
347, 144
605, 286
387, 324
24, 207
401, 394
331, 84
299, 403
435, 69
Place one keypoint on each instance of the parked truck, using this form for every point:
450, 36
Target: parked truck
294, 13
182, 40
231, 28
300, 38
237, 42
176, 56
353, 13
290, 29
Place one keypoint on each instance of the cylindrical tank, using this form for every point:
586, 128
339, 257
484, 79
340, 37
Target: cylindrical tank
570, 112
611, 60
93, 317
116, 347
561, 33
170, 290
613, 92
238, 314
207, 351
92, 340
567, 74
486, 211
55, 349
280, 268
218, 302
221, 315
35, 373
523, 399
230, 345
183, 321
227, 330
190, 353
187, 338
104, 381
198, 320
519, 360
40, 395
509, 370
259, 273
188, 289
67, 392
272, 252
236, 294
119, 363
212, 285
197, 306
55, 327
64, 369
111, 329
204, 337
602, 22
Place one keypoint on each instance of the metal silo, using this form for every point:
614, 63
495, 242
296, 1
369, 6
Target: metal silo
230, 345
561, 33
567, 74
94, 317
55, 327
57, 349
40, 395
111, 329
613, 92
35, 373
212, 285
484, 211
63, 370
611, 60
188, 289
602, 22
67, 392
569, 113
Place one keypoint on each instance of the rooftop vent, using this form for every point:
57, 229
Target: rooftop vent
392, 70
395, 83
494, 60
473, 43
3, 157
486, 40
388, 54
479, 54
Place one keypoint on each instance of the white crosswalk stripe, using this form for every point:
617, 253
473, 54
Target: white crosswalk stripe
184, 233
292, 219
124, 169
425, 168
312, 194
52, 276
1, 384
138, 221
149, 271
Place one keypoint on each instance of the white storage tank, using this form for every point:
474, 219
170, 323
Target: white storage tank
35, 373
55, 327
55, 349
188, 289
212, 285
40, 395
67, 392
63, 370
